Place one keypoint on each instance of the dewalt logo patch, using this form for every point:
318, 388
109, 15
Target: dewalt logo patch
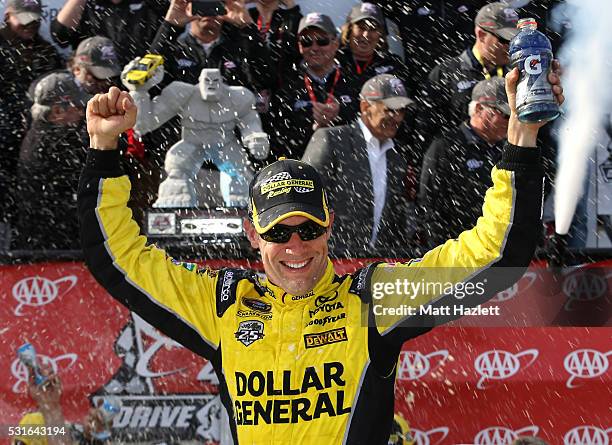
325, 338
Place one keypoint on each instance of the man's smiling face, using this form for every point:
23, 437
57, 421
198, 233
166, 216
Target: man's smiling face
296, 266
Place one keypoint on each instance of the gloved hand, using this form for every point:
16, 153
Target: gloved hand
258, 145
158, 76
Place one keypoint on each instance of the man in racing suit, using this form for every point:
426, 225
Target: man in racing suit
303, 356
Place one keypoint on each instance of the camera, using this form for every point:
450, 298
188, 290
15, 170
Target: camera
208, 8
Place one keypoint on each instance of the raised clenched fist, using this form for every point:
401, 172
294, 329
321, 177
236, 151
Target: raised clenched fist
109, 115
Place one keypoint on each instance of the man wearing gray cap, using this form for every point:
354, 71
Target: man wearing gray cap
456, 168
53, 148
318, 94
95, 64
451, 82
365, 161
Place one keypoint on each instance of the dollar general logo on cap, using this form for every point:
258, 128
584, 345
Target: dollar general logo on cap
282, 183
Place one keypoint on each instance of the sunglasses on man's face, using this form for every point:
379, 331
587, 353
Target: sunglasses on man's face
501, 39
307, 231
307, 42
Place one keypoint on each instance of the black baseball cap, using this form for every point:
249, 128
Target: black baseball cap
99, 56
498, 18
26, 11
319, 21
59, 87
388, 89
287, 188
492, 92
366, 11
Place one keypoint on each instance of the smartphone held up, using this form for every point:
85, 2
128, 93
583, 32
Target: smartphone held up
208, 8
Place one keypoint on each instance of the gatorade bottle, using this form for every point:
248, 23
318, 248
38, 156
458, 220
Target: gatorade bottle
27, 356
531, 52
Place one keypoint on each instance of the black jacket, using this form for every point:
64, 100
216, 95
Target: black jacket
21, 63
455, 176
240, 54
281, 40
381, 63
131, 25
50, 162
432, 30
449, 90
340, 155
291, 110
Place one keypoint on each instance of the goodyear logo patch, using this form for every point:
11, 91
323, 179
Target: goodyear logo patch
325, 338
279, 187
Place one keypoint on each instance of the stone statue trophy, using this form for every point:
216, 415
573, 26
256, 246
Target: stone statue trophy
209, 112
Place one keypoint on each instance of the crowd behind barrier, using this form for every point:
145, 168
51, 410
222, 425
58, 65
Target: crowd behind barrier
306, 73
403, 176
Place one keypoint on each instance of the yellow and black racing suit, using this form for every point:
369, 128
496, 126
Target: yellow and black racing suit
309, 369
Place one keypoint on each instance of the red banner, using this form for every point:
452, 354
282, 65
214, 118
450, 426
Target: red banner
458, 384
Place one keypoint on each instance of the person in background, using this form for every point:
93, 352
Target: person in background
366, 174
93, 430
231, 43
95, 65
457, 166
319, 94
47, 397
25, 56
364, 55
432, 30
130, 25
50, 160
451, 82
277, 22
364, 52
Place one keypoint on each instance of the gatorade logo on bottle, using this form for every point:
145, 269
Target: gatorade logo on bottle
533, 64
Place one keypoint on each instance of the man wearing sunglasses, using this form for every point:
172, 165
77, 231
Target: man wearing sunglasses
451, 82
318, 95
302, 355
